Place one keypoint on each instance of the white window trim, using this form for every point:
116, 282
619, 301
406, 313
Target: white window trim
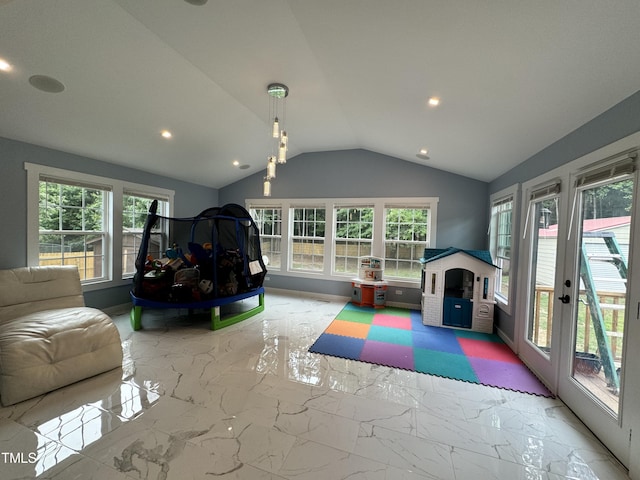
514, 192
114, 222
333, 247
431, 244
272, 236
378, 204
136, 192
290, 239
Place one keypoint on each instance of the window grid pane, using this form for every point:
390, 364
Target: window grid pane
72, 227
503, 212
134, 216
353, 237
307, 242
269, 223
406, 237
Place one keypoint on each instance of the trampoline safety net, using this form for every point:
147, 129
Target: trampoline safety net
184, 260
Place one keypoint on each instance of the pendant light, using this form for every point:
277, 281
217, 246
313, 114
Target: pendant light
266, 187
271, 167
278, 93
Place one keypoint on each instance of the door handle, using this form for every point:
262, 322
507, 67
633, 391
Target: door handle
565, 299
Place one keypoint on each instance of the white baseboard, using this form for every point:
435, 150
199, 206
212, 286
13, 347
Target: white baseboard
300, 293
507, 340
117, 309
336, 298
410, 306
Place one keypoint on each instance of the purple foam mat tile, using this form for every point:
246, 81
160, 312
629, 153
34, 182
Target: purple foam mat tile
388, 354
511, 376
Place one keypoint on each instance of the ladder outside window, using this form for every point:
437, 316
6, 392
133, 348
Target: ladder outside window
589, 258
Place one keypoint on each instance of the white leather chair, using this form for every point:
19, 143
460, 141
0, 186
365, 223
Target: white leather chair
48, 337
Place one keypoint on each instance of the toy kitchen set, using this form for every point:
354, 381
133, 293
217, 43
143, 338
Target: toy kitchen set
369, 289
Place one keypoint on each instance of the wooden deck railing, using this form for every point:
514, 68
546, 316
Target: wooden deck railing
586, 342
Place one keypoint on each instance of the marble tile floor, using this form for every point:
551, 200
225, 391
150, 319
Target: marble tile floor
250, 402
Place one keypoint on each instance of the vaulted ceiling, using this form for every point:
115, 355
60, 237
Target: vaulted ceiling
513, 77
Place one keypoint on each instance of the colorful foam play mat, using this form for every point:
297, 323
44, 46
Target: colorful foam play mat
396, 337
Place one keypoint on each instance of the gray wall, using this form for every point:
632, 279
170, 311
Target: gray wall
462, 216
618, 122
462, 212
190, 199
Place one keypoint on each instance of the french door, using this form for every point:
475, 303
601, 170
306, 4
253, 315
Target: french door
544, 227
577, 239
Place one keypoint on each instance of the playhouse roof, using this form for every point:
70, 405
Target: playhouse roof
432, 254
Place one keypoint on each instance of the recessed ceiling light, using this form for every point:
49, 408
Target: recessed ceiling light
197, 3
46, 83
166, 134
434, 101
236, 163
423, 154
5, 66
244, 167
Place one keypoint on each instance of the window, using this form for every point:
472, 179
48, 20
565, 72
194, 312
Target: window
134, 216
324, 237
307, 240
406, 237
353, 237
89, 221
503, 212
72, 226
501, 240
269, 222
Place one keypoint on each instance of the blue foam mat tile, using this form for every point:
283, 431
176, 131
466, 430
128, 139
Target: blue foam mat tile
438, 341
338, 346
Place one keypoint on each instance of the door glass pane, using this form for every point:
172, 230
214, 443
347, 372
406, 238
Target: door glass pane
544, 246
604, 240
